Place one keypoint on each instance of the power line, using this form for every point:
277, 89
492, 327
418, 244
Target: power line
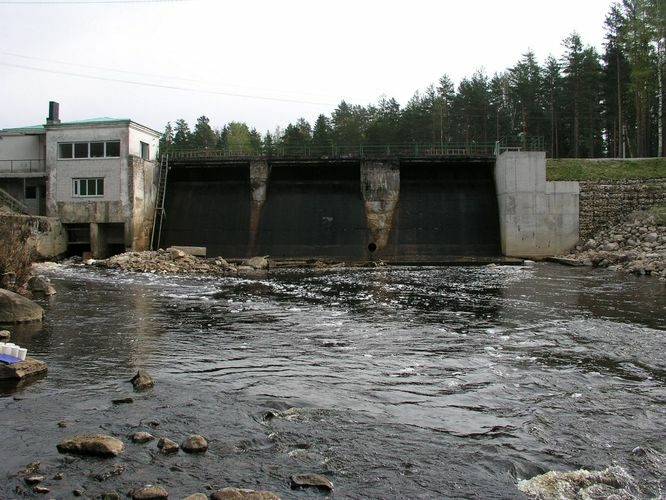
163, 86
153, 75
63, 2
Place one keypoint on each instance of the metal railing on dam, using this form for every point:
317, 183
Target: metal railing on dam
472, 149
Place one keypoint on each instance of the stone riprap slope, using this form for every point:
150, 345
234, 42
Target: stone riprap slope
637, 245
605, 202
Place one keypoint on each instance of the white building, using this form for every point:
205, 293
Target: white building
97, 176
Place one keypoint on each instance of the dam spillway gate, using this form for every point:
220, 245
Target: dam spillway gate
396, 209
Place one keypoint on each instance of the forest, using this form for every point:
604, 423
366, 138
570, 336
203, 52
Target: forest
584, 104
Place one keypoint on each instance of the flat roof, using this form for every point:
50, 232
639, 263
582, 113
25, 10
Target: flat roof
40, 129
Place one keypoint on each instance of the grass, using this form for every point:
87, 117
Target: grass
659, 213
594, 170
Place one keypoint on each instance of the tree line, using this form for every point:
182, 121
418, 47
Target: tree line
582, 104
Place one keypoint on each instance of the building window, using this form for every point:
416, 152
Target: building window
87, 187
97, 150
65, 150
112, 149
81, 150
31, 192
84, 150
145, 151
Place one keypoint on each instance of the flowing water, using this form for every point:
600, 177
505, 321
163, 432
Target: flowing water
398, 382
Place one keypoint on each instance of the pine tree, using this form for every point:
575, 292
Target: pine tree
525, 86
637, 36
552, 89
322, 136
615, 84
383, 122
349, 126
203, 135
166, 140
182, 135
471, 108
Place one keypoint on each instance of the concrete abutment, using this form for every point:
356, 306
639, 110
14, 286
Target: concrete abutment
538, 218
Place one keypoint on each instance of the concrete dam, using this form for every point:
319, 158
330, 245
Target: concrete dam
397, 209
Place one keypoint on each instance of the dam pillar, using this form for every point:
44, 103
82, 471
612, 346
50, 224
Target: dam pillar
259, 175
538, 218
380, 187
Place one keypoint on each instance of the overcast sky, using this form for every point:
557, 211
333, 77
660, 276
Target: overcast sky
264, 62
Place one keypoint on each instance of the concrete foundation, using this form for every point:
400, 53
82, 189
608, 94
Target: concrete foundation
537, 218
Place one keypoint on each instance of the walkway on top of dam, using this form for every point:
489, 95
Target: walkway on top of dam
407, 153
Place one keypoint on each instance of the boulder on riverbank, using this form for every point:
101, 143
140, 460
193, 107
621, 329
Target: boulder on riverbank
17, 309
637, 245
29, 367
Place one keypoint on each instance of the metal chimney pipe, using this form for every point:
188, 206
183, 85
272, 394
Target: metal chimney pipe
54, 113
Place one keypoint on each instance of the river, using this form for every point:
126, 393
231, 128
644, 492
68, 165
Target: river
393, 382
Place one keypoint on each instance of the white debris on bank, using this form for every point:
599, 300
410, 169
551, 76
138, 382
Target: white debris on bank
638, 245
612, 482
176, 261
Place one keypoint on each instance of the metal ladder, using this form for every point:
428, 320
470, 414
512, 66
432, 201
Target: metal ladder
160, 213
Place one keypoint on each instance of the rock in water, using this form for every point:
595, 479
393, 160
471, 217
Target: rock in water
92, 444
167, 446
116, 470
149, 492
555, 485
142, 381
243, 494
196, 496
311, 480
41, 285
142, 437
195, 444
17, 309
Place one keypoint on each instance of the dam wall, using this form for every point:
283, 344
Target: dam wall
394, 209
387, 209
